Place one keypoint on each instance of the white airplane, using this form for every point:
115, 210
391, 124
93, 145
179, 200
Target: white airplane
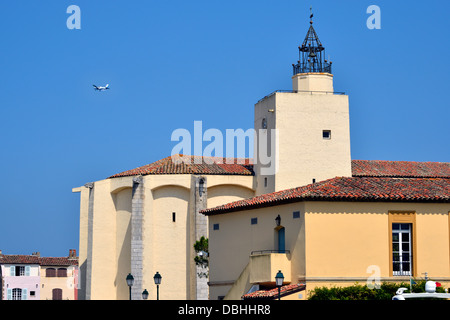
101, 88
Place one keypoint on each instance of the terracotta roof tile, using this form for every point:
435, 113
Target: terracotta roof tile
33, 259
19, 259
405, 169
183, 164
350, 189
58, 261
273, 293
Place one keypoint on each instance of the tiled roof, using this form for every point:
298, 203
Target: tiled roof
350, 189
33, 259
58, 261
19, 259
183, 164
404, 169
273, 293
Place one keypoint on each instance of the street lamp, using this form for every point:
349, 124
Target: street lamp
279, 282
145, 294
130, 281
157, 277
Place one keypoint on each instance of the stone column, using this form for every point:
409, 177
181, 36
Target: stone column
137, 246
201, 230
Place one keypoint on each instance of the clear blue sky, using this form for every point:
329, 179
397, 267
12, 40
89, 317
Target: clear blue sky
170, 63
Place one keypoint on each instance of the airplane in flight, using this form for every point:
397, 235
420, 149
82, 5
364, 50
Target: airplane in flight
101, 88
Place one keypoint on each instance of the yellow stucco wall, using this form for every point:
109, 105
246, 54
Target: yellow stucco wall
66, 284
332, 243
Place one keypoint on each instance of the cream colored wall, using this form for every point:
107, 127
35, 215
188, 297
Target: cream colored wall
83, 234
303, 153
122, 202
218, 195
313, 82
333, 243
104, 263
299, 119
168, 246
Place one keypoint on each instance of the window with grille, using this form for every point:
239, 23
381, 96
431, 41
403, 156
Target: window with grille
402, 249
20, 271
17, 294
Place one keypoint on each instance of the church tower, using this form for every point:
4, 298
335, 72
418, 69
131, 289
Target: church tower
303, 135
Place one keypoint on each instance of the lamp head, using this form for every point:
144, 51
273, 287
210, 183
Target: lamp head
157, 277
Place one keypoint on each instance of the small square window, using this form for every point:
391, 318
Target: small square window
296, 214
326, 134
254, 221
215, 226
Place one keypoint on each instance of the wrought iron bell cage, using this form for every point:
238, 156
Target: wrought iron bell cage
312, 55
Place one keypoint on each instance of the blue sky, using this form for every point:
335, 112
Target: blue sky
170, 63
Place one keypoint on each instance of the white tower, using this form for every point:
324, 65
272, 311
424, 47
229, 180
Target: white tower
307, 129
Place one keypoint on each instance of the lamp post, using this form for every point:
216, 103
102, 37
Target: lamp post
130, 281
279, 282
145, 294
157, 277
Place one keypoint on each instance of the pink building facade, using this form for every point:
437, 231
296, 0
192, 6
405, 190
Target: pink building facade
31, 277
20, 277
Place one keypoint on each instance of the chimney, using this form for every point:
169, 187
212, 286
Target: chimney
37, 254
72, 254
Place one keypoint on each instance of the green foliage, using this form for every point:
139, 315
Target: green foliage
202, 260
361, 292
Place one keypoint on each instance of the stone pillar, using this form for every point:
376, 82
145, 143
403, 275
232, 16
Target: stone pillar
201, 230
137, 246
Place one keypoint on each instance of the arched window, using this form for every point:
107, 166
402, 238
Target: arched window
62, 272
17, 294
50, 272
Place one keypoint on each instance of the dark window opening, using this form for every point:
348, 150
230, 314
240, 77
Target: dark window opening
50, 272
326, 134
